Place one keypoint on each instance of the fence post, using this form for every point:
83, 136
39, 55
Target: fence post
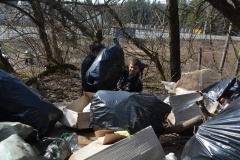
200, 58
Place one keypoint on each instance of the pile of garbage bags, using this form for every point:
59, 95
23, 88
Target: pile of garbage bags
27, 116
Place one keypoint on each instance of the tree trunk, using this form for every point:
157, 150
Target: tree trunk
174, 39
38, 13
57, 52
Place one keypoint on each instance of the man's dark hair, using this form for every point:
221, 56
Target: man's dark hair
96, 47
135, 62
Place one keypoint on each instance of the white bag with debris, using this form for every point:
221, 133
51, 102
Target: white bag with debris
9, 128
14, 148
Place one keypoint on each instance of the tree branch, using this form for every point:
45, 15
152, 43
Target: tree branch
50, 70
58, 6
228, 10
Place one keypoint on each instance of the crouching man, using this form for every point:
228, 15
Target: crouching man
129, 80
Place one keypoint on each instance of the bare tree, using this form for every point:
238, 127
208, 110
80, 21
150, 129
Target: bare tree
174, 39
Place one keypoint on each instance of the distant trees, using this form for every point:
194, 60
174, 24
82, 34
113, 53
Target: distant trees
199, 14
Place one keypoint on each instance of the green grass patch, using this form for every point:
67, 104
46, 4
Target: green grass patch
153, 84
234, 56
8, 49
25, 75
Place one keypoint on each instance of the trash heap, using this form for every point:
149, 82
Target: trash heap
126, 125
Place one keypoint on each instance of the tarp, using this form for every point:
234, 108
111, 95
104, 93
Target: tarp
105, 71
218, 138
18, 103
121, 110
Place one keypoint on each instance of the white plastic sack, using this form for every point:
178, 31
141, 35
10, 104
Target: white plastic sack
14, 148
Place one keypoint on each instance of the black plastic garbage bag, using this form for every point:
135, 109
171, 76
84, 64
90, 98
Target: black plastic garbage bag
107, 68
218, 138
18, 103
227, 89
120, 110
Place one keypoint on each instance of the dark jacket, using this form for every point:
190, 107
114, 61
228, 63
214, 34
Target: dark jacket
86, 64
130, 84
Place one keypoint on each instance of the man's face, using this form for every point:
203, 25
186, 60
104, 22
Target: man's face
133, 70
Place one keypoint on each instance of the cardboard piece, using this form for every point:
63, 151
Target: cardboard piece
108, 136
111, 138
89, 150
82, 140
102, 132
140, 146
184, 107
73, 115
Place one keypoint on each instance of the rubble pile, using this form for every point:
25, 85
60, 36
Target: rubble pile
126, 125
